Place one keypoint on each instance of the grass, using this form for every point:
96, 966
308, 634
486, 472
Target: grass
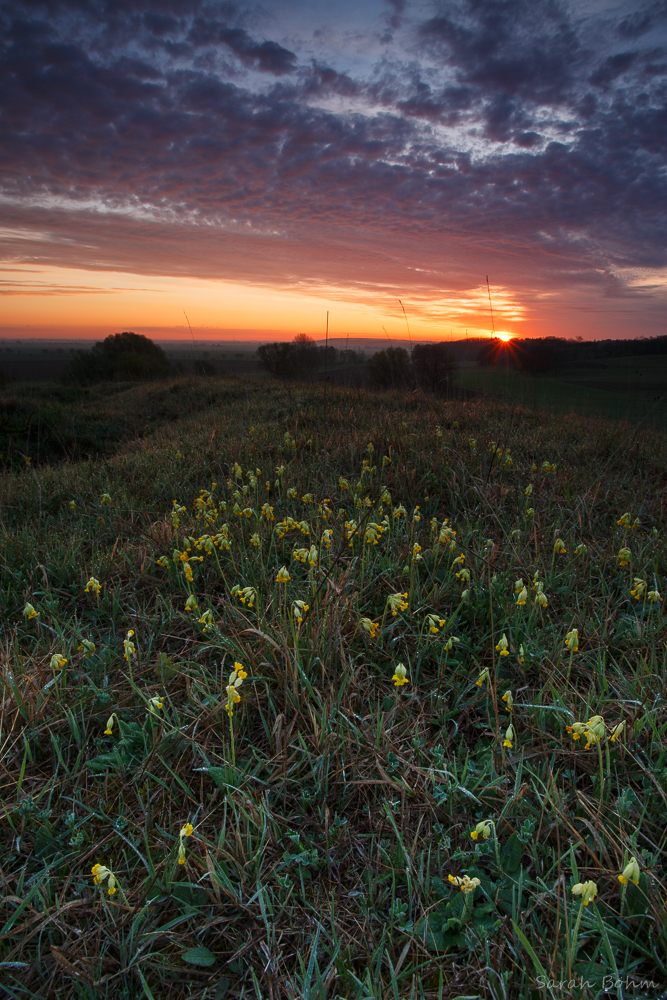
632, 389
330, 810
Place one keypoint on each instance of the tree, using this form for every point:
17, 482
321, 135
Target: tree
120, 356
276, 359
434, 367
389, 369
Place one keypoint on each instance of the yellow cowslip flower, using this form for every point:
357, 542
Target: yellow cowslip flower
522, 597
235, 681
624, 520
312, 555
255, 540
291, 493
299, 609
654, 596
163, 561
639, 588
93, 586
415, 515
369, 626
502, 646
465, 884
493, 447
484, 676
248, 512
447, 534
518, 585
416, 552
109, 730
267, 511
559, 546
100, 873
581, 549
572, 640
129, 646
465, 594
509, 736
301, 555
29, 612
187, 569
246, 595
206, 620
191, 603
548, 467
636, 523
530, 512
88, 646
587, 890
327, 538
373, 533
484, 829
397, 602
154, 704
540, 596
459, 559
72, 505
473, 443
186, 831
434, 623
283, 576
617, 731
307, 498
595, 730
105, 498
449, 645
624, 555
304, 527
630, 873
399, 511
463, 575
400, 677
528, 492
522, 654
343, 483
57, 661
577, 728
509, 700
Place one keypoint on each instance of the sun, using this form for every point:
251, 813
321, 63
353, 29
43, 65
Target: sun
504, 336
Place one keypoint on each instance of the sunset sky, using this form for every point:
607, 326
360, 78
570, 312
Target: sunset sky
257, 165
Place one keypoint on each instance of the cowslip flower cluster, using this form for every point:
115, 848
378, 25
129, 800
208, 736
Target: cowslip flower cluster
299, 609
502, 646
624, 556
128, 645
559, 546
369, 626
483, 829
100, 873
434, 623
186, 831
593, 730
93, 586
236, 678
283, 576
246, 595
587, 890
484, 676
400, 676
29, 612
630, 873
465, 883
572, 640
397, 602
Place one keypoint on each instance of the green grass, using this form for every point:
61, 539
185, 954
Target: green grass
329, 812
633, 389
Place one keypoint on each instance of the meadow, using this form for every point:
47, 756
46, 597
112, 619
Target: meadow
319, 693
632, 388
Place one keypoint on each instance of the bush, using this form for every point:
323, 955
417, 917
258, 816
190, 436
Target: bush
296, 359
390, 369
118, 357
434, 367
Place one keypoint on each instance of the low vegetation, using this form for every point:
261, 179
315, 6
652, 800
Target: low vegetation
313, 693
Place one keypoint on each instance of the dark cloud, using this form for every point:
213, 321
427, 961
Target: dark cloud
504, 131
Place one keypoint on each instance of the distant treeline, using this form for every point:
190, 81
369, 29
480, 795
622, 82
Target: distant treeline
551, 354
301, 357
430, 367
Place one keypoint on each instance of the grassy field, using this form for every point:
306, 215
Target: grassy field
633, 389
348, 695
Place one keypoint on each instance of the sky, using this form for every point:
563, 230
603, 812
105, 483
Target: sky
248, 168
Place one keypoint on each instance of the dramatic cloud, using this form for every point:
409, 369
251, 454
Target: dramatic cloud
400, 147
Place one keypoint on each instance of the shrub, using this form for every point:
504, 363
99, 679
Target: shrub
390, 369
434, 367
121, 356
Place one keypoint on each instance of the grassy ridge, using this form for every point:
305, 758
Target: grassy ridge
329, 811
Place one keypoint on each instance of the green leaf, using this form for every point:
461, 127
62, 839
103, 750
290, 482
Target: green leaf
199, 956
510, 857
